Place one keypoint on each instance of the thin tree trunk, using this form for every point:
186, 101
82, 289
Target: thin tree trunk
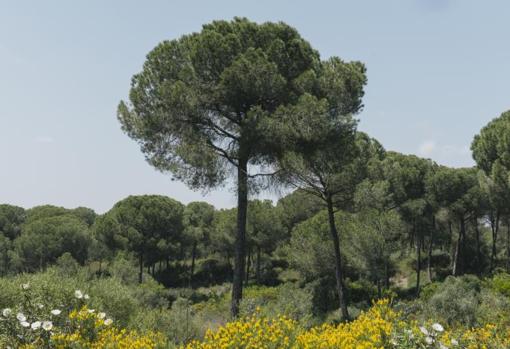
478, 246
386, 276
418, 264
240, 241
494, 230
258, 265
508, 246
431, 244
342, 296
181, 253
140, 274
458, 258
451, 247
193, 257
248, 266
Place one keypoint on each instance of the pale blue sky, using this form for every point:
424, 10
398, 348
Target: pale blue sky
438, 70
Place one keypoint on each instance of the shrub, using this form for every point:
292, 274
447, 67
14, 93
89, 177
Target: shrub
465, 301
35, 323
501, 283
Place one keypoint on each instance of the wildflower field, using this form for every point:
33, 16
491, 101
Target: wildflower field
33, 324
379, 327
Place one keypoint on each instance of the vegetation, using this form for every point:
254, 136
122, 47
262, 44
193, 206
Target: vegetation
370, 249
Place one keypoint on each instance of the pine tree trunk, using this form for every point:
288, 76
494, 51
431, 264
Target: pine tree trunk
258, 265
193, 257
342, 296
451, 246
418, 265
478, 246
248, 266
457, 269
140, 274
508, 247
240, 241
494, 230
429, 259
386, 276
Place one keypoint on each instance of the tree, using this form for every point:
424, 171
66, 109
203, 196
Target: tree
491, 151
11, 220
198, 220
266, 230
224, 232
456, 190
203, 104
85, 214
328, 159
297, 207
143, 222
373, 240
407, 177
44, 240
309, 249
5, 249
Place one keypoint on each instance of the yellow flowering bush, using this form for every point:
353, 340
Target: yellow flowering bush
89, 329
372, 329
252, 332
380, 327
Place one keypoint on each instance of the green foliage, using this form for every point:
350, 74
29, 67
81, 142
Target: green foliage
465, 300
214, 92
491, 146
501, 283
45, 239
11, 219
373, 240
309, 250
297, 207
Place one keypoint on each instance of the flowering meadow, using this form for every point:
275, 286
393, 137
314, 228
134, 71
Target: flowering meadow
77, 325
379, 327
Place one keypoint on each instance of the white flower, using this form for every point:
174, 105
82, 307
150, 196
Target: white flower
437, 327
455, 342
86, 296
47, 325
424, 331
35, 325
40, 306
6, 312
24, 324
91, 311
78, 294
55, 312
101, 315
108, 322
442, 346
21, 317
429, 340
25, 286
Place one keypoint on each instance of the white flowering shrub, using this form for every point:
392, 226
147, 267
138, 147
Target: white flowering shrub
34, 322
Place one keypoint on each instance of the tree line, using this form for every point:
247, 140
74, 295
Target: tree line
390, 208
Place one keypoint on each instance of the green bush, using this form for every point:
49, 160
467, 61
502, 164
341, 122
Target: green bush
501, 283
466, 301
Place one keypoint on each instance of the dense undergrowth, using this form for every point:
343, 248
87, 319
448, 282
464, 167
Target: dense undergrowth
52, 309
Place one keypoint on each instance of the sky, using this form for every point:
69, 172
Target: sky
438, 71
